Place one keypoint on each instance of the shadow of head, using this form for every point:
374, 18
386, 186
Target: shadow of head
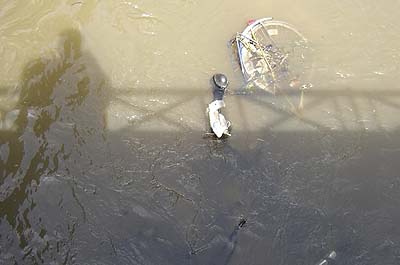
40, 77
67, 82
70, 41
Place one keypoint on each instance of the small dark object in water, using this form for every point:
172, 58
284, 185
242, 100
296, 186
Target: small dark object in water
220, 82
242, 222
329, 259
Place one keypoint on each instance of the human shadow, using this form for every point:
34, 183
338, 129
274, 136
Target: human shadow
61, 106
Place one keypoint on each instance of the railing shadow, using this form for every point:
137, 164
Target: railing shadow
348, 109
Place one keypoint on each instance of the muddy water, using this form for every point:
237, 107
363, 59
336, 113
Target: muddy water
104, 158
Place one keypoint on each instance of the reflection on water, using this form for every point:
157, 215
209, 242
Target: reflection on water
103, 154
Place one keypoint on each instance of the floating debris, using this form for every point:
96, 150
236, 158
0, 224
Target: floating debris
273, 57
242, 222
218, 123
329, 259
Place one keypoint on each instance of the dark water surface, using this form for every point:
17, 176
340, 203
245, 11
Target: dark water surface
99, 168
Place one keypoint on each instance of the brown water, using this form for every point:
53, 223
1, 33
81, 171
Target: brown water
104, 158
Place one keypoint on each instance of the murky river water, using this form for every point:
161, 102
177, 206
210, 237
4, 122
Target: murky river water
104, 158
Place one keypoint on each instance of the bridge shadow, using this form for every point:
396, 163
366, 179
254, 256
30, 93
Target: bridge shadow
74, 189
340, 109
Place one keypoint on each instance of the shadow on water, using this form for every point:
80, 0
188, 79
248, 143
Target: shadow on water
60, 109
74, 193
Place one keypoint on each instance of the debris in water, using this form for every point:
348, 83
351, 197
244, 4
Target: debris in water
77, 3
242, 222
272, 56
218, 123
329, 259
